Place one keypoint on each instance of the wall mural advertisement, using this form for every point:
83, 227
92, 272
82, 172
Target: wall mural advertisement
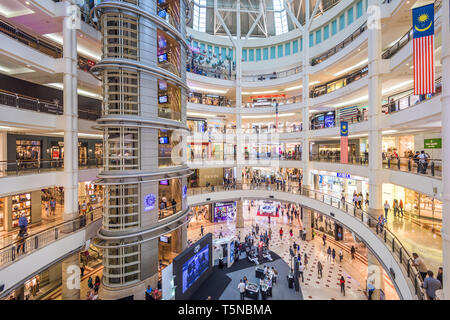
224, 211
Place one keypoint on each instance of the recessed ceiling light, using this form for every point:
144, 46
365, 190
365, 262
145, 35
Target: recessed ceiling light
28, 65
27, 3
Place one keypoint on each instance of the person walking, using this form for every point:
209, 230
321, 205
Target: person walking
319, 270
329, 254
201, 230
305, 260
386, 208
342, 284
241, 287
324, 238
90, 283
400, 206
300, 271
52, 206
21, 240
23, 222
341, 255
353, 251
333, 254
281, 233
431, 284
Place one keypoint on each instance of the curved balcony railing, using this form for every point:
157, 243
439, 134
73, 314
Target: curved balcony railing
431, 167
273, 75
388, 53
392, 243
41, 45
19, 101
410, 100
211, 100
281, 102
18, 249
23, 167
338, 83
225, 130
210, 72
331, 52
336, 123
362, 159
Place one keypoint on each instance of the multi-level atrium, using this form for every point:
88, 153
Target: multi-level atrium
168, 149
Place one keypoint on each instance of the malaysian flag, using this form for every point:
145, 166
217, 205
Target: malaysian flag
423, 48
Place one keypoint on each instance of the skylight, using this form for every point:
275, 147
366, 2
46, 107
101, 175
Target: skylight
199, 23
281, 25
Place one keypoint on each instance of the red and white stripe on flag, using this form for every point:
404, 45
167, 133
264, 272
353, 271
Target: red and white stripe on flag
423, 49
344, 149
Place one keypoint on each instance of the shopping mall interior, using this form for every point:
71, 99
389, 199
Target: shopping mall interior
224, 150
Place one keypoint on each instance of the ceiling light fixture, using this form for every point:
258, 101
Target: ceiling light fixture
351, 68
201, 114
269, 116
218, 91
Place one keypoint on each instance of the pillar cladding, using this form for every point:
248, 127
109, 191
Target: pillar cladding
306, 222
239, 214
144, 170
71, 278
375, 277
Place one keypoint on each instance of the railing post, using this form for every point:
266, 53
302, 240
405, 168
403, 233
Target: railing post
408, 269
393, 245
385, 236
409, 165
56, 233
432, 168
36, 242
13, 256
398, 163
389, 162
400, 255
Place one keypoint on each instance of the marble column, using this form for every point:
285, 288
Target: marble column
306, 222
239, 214
375, 275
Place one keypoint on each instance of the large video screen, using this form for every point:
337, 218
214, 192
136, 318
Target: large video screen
195, 267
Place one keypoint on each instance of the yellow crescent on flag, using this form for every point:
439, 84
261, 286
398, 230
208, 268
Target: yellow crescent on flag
424, 29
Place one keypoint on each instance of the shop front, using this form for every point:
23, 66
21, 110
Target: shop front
326, 225
418, 206
336, 183
398, 146
224, 211
13, 207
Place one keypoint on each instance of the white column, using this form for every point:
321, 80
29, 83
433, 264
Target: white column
375, 275
375, 96
240, 214
71, 278
70, 117
3, 151
306, 101
445, 100
239, 140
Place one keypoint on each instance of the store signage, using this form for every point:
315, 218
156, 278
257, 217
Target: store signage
432, 143
343, 175
149, 202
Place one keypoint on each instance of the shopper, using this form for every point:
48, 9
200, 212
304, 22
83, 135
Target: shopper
305, 260
353, 251
21, 240
324, 238
381, 222
431, 285
52, 206
440, 275
341, 255
300, 271
97, 283
281, 233
90, 283
148, 293
333, 254
342, 283
319, 270
201, 230
329, 254
241, 287
23, 222
386, 208
420, 265
400, 206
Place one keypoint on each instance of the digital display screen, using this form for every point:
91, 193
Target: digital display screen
162, 57
195, 267
329, 120
231, 251
164, 239
224, 211
162, 85
163, 140
161, 1
164, 182
163, 99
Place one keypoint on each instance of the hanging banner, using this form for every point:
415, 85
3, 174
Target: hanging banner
344, 142
423, 49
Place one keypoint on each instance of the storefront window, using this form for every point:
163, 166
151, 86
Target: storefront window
28, 151
169, 197
21, 204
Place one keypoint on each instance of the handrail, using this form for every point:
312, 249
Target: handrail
393, 244
399, 163
324, 56
394, 105
20, 101
388, 53
336, 158
43, 46
14, 251
272, 75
